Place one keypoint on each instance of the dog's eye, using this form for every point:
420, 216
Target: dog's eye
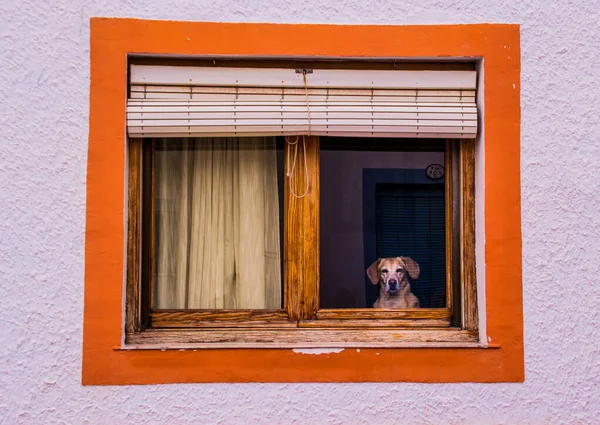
384, 270
399, 270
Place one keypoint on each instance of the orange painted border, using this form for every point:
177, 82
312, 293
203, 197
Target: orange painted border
113, 39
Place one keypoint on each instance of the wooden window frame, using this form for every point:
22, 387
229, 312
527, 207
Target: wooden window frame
107, 360
301, 323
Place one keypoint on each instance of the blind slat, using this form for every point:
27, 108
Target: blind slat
275, 77
316, 122
352, 115
145, 131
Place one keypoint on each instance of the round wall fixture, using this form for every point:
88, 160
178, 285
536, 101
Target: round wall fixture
435, 171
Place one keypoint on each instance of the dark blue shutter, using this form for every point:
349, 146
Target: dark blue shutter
410, 221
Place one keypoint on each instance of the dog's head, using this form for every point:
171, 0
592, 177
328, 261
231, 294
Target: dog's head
392, 272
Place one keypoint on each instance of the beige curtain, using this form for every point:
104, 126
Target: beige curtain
217, 240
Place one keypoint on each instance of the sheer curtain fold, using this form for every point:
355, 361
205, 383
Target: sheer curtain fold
217, 241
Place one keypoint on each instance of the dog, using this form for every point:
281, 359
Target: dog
392, 276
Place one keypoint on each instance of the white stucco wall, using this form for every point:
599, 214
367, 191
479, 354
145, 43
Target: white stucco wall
44, 84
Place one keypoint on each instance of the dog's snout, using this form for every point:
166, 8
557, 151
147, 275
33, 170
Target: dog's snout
392, 285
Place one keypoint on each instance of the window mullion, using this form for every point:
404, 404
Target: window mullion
301, 248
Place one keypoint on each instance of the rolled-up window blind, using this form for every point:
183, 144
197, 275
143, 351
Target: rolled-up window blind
180, 101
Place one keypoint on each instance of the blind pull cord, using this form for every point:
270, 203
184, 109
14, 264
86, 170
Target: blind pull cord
290, 171
307, 104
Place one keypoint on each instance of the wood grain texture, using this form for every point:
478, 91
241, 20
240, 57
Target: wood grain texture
312, 232
373, 313
301, 224
291, 338
149, 288
448, 223
470, 318
134, 237
379, 318
375, 323
455, 254
220, 318
146, 227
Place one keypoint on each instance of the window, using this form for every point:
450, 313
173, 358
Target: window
301, 205
109, 359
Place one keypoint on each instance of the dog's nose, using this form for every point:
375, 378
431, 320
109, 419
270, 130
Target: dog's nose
393, 282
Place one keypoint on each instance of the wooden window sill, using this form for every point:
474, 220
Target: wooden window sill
396, 346
300, 338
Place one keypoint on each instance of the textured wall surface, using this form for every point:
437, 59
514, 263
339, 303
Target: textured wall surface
44, 83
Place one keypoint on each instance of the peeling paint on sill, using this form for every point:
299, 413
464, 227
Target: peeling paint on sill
317, 351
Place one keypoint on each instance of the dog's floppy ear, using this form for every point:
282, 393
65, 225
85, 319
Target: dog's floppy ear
411, 266
373, 272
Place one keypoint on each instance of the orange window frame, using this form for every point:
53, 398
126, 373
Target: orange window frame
104, 359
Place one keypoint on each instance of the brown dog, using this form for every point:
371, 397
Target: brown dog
392, 276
